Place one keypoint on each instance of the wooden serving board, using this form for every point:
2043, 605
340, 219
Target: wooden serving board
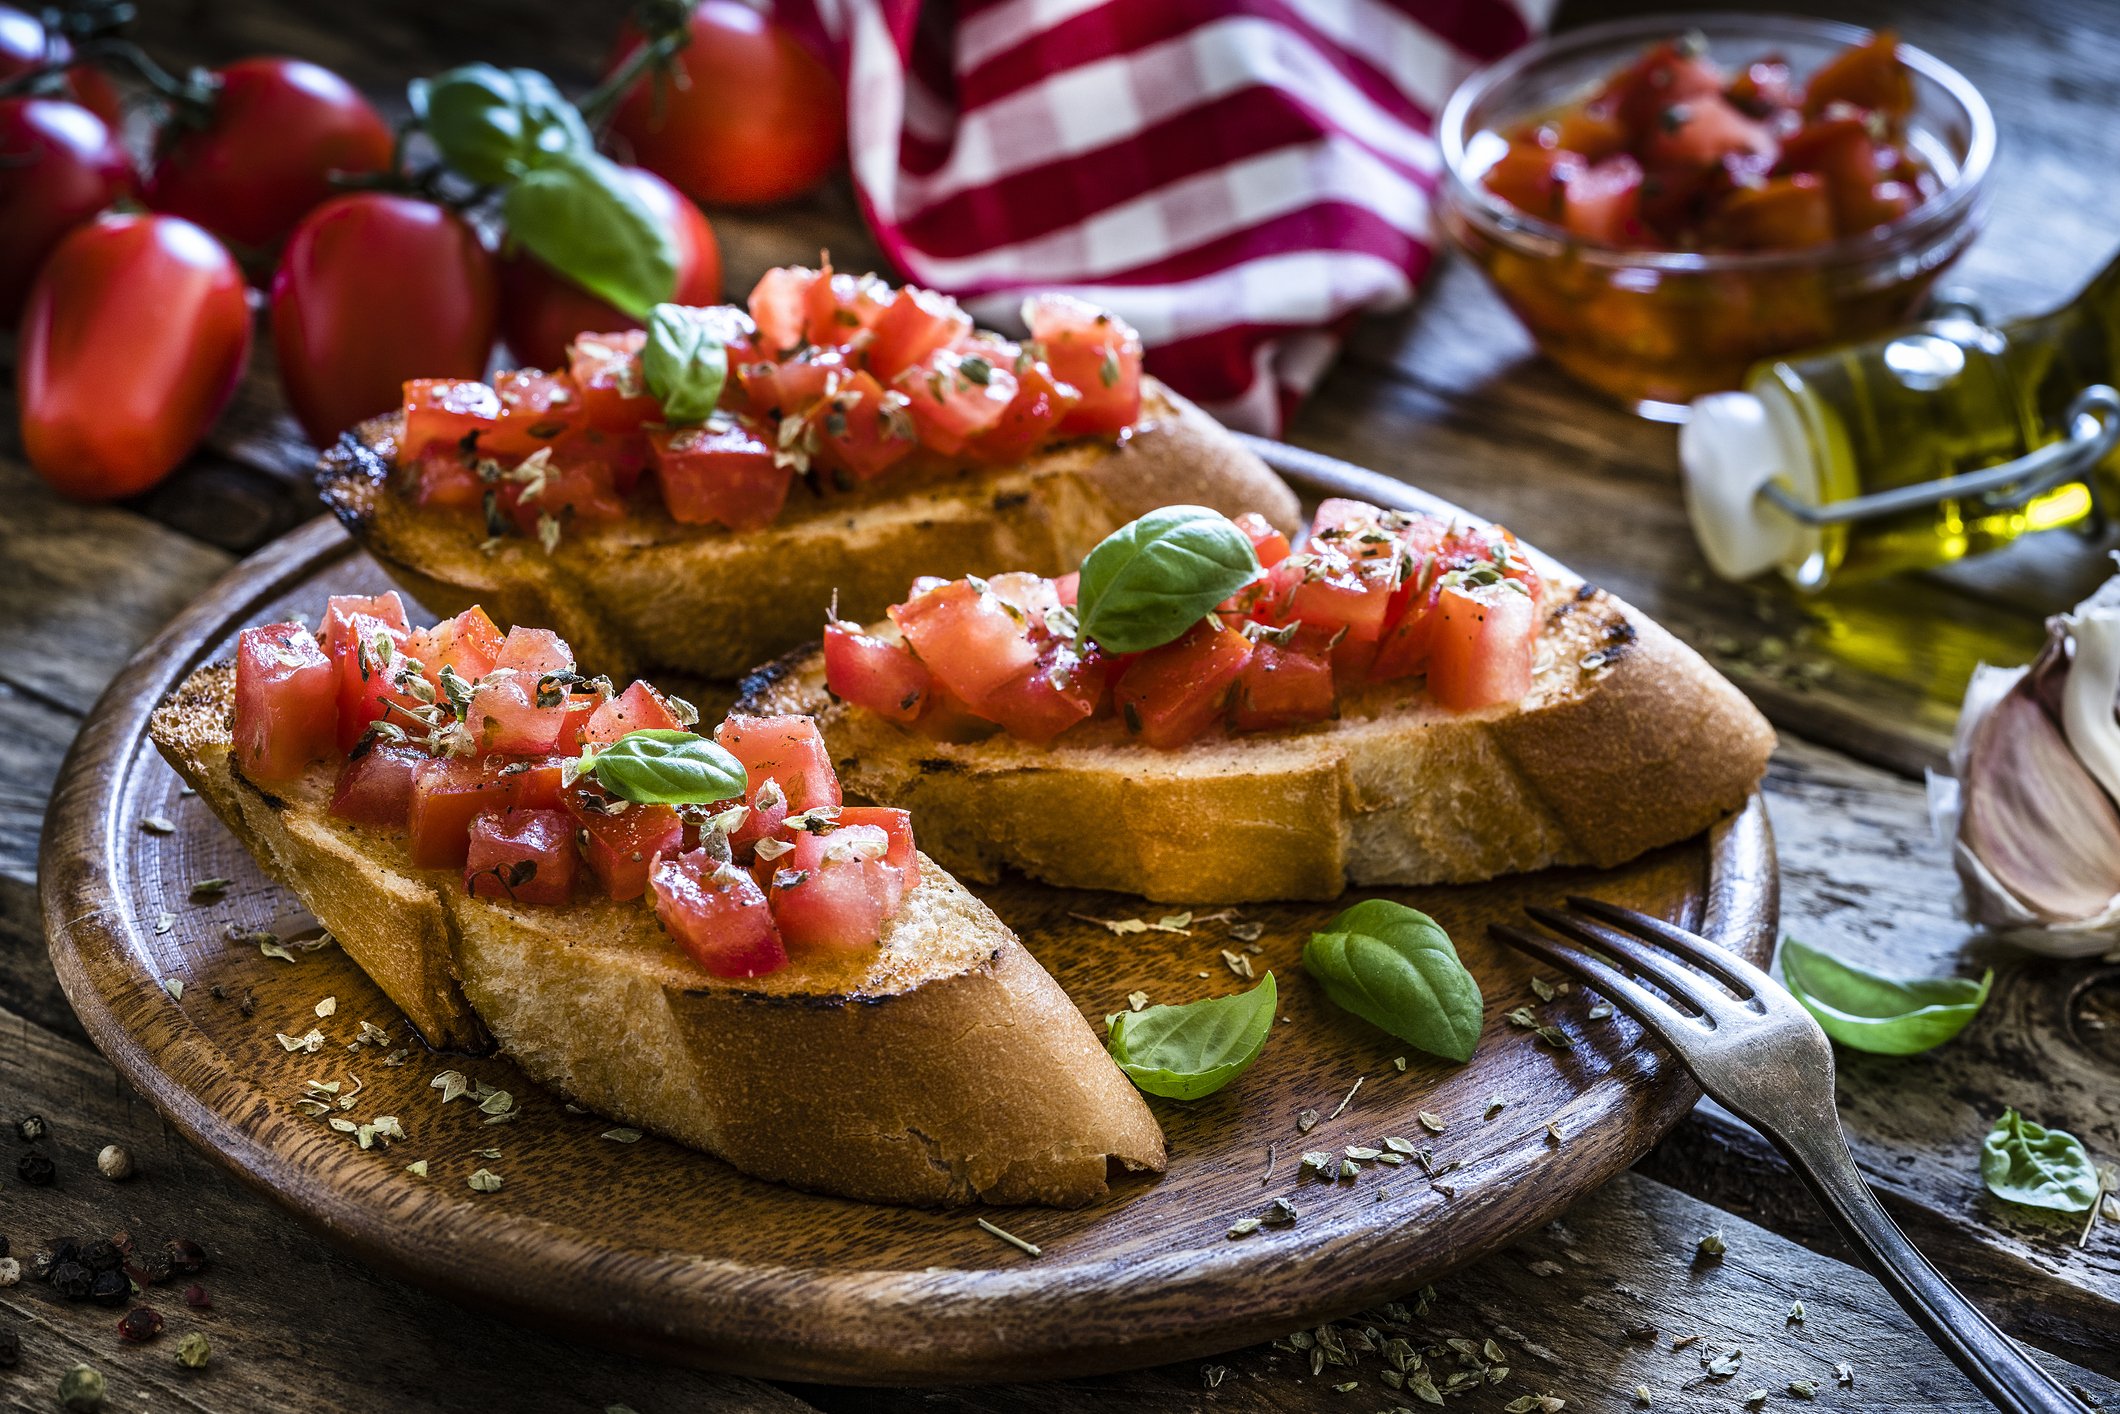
660, 1249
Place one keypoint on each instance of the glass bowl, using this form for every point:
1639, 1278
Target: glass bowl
1658, 328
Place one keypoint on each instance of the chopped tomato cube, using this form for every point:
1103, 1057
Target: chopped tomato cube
1665, 75
445, 476
581, 706
533, 782
1169, 695
839, 309
971, 640
1032, 418
1067, 588
1283, 686
787, 750
375, 786
898, 825
537, 409
718, 914
607, 373
792, 386
886, 678
953, 398
1603, 203
1867, 75
621, 846
1784, 213
1593, 131
862, 429
718, 472
454, 413
1701, 132
448, 793
918, 324
341, 609
1532, 178
504, 717
469, 645
640, 708
948, 717
534, 652
1050, 695
1409, 629
524, 856
779, 306
1095, 352
1339, 592
376, 678
835, 890
1485, 638
1763, 88
1269, 544
286, 712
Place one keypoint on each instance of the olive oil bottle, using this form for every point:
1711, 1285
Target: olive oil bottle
1949, 439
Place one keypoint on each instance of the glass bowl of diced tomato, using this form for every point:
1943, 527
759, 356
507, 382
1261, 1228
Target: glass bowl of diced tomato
1664, 201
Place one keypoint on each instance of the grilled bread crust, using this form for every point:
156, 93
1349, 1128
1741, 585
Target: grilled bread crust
1627, 741
645, 592
944, 1067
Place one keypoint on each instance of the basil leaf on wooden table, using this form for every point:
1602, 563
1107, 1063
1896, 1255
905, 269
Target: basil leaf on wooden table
2038, 1167
1153, 579
1185, 1052
1881, 1015
684, 362
668, 768
1395, 967
493, 125
577, 213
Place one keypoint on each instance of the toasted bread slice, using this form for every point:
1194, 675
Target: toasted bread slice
1626, 741
944, 1067
646, 592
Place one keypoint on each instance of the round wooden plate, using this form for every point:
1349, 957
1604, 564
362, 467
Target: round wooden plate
657, 1248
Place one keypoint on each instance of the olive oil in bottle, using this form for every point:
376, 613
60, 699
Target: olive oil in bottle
1827, 465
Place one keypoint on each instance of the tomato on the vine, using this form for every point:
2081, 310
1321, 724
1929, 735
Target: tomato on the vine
261, 152
132, 341
59, 165
374, 289
542, 310
25, 44
748, 117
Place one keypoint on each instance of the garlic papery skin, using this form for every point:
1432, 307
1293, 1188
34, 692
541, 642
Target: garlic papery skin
2090, 692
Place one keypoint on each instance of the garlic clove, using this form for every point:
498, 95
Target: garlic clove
2039, 829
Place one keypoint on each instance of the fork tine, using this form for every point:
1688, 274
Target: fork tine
1739, 975
1688, 988
1625, 993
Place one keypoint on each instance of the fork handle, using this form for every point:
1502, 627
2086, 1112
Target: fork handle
1996, 1364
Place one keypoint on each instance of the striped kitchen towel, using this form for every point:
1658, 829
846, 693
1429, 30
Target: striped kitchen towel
1236, 178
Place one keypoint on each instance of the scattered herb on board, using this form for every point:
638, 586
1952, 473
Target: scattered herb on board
1882, 1015
1029, 1249
622, 1136
1189, 1051
1394, 967
484, 1181
1347, 1099
1712, 1245
2022, 1162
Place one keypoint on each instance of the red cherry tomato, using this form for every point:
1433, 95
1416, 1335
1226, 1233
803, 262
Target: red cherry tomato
372, 290
542, 311
26, 44
750, 117
134, 336
59, 165
276, 131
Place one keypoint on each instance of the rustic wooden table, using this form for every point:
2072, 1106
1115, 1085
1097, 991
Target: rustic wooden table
1864, 688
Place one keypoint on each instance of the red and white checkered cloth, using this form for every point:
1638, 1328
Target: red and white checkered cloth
1236, 178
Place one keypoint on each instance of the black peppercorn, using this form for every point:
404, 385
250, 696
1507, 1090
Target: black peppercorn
4, 1249
35, 1169
185, 1256
152, 1268
10, 1347
111, 1288
101, 1256
72, 1280
31, 1128
140, 1323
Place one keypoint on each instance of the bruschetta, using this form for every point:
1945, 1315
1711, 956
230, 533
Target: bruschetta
1403, 700
690, 495
688, 933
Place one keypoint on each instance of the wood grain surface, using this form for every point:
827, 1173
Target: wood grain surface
652, 1246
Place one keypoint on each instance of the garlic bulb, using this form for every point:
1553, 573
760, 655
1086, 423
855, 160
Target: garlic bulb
2030, 807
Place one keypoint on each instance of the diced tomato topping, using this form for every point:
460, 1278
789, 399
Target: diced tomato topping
524, 856
1041, 404
886, 678
1169, 695
1096, 352
1532, 178
1481, 654
1592, 131
286, 712
533, 782
718, 914
1283, 687
1763, 88
780, 308
375, 787
898, 826
862, 428
581, 707
948, 717
453, 413
1341, 592
444, 476
1701, 132
918, 324
376, 678
607, 373
839, 309
787, 750
620, 846
505, 717
640, 708
953, 398
1067, 588
1604, 202
1054, 693
469, 645
340, 610
448, 793
718, 473
1660, 78
1868, 75
1783, 213
791, 386
537, 409
837, 889
970, 639
534, 652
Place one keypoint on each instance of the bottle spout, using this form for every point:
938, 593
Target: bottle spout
1730, 449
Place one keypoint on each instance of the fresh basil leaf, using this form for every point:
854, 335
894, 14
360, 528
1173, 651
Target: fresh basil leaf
1881, 1015
494, 125
1155, 578
1394, 967
1185, 1052
2040, 1168
579, 215
685, 361
669, 768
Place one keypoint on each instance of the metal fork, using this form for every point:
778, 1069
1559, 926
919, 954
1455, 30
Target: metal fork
1763, 1057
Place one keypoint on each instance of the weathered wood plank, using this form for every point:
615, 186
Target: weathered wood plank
1561, 1305
294, 1325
